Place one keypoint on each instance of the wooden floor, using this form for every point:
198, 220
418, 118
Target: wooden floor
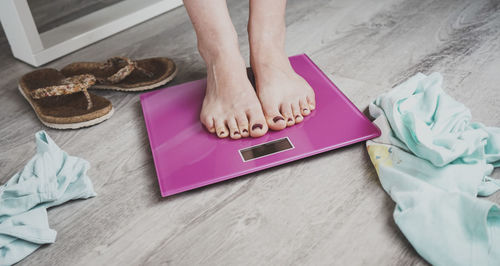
329, 209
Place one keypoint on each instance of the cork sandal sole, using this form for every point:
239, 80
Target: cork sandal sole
163, 70
64, 111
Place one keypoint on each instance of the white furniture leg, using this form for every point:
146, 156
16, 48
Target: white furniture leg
28, 45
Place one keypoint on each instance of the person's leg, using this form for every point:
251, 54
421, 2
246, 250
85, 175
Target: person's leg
284, 95
231, 107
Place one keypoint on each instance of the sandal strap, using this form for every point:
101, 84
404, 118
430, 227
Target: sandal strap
68, 85
122, 73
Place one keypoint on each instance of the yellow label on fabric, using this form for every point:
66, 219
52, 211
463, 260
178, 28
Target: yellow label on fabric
380, 155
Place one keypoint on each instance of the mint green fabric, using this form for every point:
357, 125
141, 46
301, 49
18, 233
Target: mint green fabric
50, 178
434, 162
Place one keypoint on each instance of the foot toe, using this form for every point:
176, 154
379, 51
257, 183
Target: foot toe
258, 126
242, 121
275, 120
311, 102
234, 131
221, 129
286, 111
258, 130
297, 114
208, 122
304, 107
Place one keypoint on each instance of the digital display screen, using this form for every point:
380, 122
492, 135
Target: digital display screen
265, 149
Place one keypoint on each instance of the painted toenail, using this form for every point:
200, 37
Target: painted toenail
245, 131
256, 126
236, 133
290, 120
297, 117
277, 118
221, 133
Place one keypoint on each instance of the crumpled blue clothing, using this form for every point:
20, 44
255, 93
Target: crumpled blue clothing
434, 162
50, 178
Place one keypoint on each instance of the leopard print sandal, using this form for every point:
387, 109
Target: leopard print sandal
124, 74
63, 102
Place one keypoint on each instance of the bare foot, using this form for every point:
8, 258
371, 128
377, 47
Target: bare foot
285, 96
231, 107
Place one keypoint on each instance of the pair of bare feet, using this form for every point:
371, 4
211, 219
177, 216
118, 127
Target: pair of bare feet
234, 108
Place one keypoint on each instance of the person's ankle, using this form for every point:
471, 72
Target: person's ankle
265, 57
222, 55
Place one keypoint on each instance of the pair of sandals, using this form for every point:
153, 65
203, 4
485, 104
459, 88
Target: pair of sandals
61, 99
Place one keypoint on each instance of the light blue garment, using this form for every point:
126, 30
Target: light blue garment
50, 178
434, 162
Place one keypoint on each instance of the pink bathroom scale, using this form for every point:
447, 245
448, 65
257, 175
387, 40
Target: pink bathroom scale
187, 156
